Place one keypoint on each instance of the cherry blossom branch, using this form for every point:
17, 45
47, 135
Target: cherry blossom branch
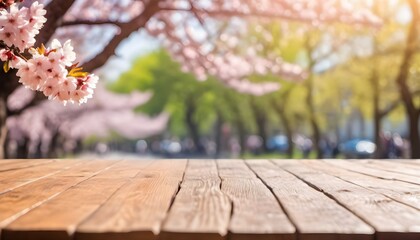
51, 70
126, 29
56, 9
90, 22
37, 99
266, 15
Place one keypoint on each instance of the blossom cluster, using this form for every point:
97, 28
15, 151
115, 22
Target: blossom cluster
49, 70
20, 26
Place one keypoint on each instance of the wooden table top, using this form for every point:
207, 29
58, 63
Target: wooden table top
209, 199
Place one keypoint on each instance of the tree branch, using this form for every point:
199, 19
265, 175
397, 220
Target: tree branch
56, 9
259, 14
89, 22
127, 28
389, 108
38, 98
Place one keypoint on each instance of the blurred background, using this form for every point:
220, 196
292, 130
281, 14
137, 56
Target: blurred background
228, 79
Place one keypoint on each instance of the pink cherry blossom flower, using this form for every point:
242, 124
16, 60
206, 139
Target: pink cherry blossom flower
18, 27
50, 88
85, 87
36, 15
63, 53
14, 61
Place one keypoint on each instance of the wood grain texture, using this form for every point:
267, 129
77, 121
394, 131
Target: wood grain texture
200, 209
256, 214
375, 172
409, 161
10, 180
381, 212
9, 165
57, 219
137, 210
231, 168
207, 199
315, 215
403, 192
22, 199
390, 166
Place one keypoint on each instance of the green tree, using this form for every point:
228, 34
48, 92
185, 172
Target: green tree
196, 108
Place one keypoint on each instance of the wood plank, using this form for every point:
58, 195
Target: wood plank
200, 209
10, 180
9, 165
256, 213
17, 202
57, 219
315, 215
201, 169
375, 172
415, 162
403, 192
137, 210
391, 166
391, 219
231, 168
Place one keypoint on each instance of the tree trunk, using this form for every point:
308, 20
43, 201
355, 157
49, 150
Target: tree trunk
262, 131
240, 128
316, 133
289, 134
401, 80
193, 128
261, 121
362, 122
3, 130
413, 118
242, 136
377, 118
53, 146
377, 125
286, 124
218, 135
23, 148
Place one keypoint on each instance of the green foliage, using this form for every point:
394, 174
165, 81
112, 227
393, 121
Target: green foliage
338, 90
174, 91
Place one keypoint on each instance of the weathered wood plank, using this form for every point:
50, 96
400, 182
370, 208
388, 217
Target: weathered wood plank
256, 212
22, 199
390, 166
137, 210
415, 162
315, 215
10, 180
57, 219
375, 172
200, 209
231, 168
10, 165
391, 219
201, 169
406, 193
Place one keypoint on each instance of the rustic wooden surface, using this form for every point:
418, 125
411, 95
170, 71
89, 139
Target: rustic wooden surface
210, 199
